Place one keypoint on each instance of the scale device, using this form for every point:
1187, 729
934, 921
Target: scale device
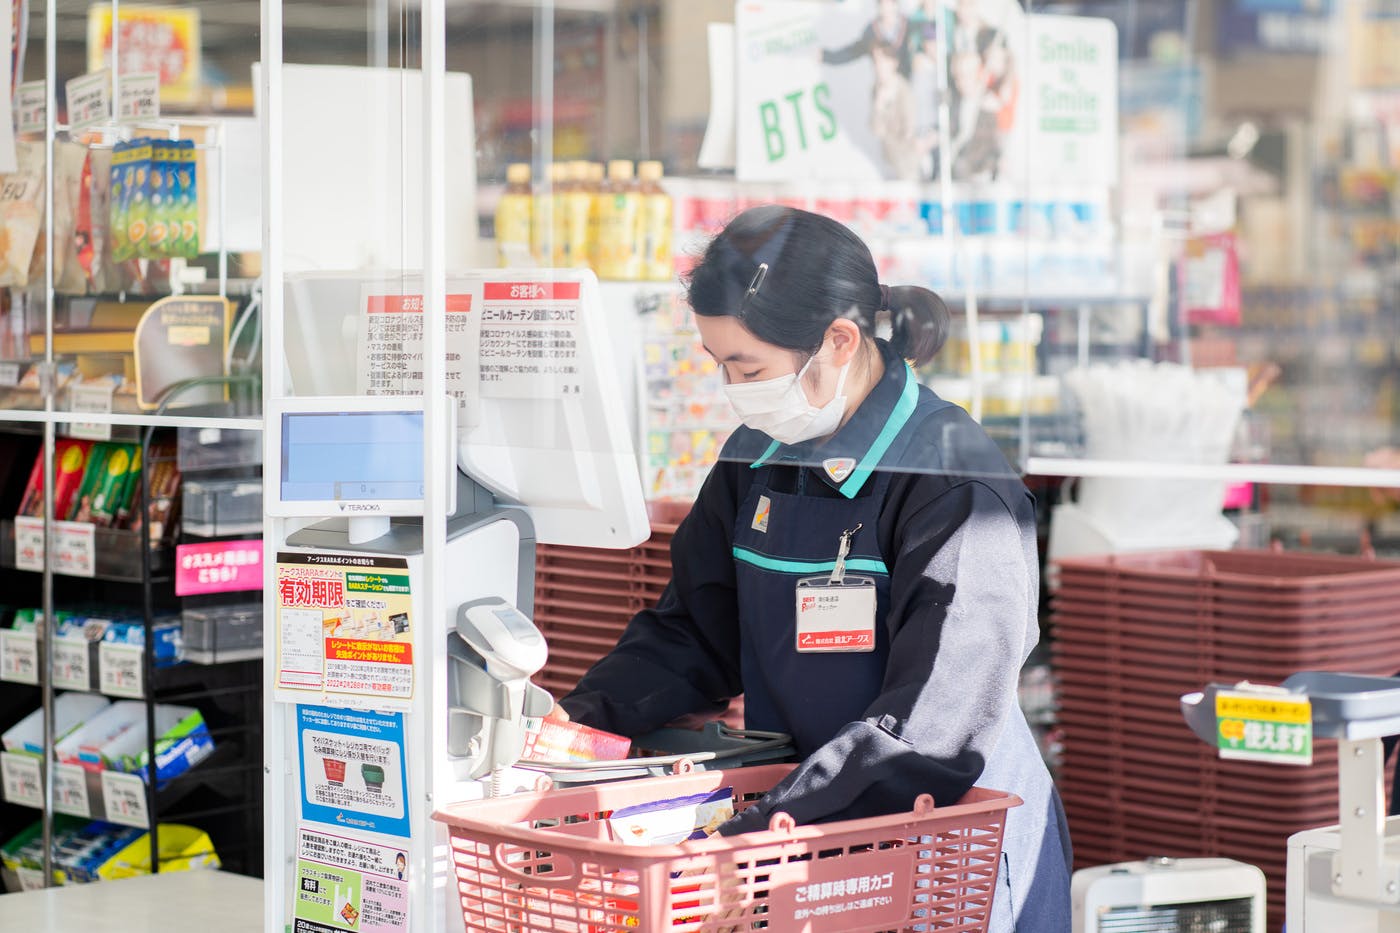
380, 715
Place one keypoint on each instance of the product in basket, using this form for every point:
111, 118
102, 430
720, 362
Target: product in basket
552, 740
667, 822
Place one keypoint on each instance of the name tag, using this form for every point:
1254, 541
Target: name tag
835, 617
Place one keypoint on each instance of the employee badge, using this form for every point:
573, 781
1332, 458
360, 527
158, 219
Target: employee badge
836, 612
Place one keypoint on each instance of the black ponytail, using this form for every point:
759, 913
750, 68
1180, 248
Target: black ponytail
787, 274
919, 323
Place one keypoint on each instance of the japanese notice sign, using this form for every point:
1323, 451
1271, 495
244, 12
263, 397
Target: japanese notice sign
89, 99
72, 663
70, 790
343, 629
19, 656
352, 769
1264, 726
218, 567
119, 670
530, 340
391, 357
154, 40
23, 779
833, 895
140, 97
124, 796
31, 106
349, 884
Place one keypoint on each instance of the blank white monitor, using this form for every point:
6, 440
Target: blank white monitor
566, 456
349, 457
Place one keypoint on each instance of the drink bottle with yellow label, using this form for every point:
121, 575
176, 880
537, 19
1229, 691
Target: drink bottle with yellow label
513, 217
654, 221
543, 232
619, 254
576, 216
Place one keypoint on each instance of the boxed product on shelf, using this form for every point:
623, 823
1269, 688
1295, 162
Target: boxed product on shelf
79, 856
69, 465
70, 711
75, 840
223, 633
106, 484
165, 632
182, 848
222, 507
115, 740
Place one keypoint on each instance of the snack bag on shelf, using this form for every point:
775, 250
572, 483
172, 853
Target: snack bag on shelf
69, 467
80, 508
113, 484
174, 192
103, 271
157, 242
70, 160
188, 209
130, 198
21, 213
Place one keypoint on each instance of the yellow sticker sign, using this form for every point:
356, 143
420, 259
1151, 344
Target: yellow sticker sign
1264, 727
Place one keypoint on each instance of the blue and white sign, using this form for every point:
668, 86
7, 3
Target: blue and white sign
352, 770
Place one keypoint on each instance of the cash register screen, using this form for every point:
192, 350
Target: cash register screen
361, 457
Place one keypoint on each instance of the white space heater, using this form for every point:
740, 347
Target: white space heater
1169, 896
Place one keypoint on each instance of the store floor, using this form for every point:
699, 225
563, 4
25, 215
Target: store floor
223, 903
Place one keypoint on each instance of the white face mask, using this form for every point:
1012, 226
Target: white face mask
779, 407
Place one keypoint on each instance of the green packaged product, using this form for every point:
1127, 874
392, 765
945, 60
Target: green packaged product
188, 211
112, 486
131, 199
158, 207
174, 206
81, 510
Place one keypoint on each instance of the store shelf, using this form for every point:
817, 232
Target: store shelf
1263, 473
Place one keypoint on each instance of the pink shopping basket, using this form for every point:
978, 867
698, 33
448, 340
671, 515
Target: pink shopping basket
545, 863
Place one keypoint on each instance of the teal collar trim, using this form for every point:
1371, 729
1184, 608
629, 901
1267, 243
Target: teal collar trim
763, 562
772, 449
903, 411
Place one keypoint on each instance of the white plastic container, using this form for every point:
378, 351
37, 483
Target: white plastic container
70, 711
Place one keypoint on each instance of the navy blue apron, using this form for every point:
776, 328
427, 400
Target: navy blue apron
809, 696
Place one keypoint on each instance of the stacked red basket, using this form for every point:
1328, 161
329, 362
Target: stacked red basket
584, 598
1135, 632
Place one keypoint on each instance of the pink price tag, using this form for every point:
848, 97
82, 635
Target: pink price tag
218, 567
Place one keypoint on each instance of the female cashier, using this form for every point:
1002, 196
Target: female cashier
905, 682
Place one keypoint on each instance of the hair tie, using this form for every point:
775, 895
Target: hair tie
884, 297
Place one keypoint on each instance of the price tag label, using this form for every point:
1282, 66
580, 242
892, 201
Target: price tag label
9, 374
89, 100
31, 107
29, 543
125, 796
140, 97
30, 879
72, 664
119, 670
75, 548
19, 657
70, 791
94, 399
1264, 726
23, 778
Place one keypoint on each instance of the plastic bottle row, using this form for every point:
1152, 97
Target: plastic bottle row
618, 224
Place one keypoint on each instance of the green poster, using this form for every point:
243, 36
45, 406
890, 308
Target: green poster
328, 899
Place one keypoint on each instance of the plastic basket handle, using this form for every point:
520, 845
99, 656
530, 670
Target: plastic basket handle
781, 822
564, 874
